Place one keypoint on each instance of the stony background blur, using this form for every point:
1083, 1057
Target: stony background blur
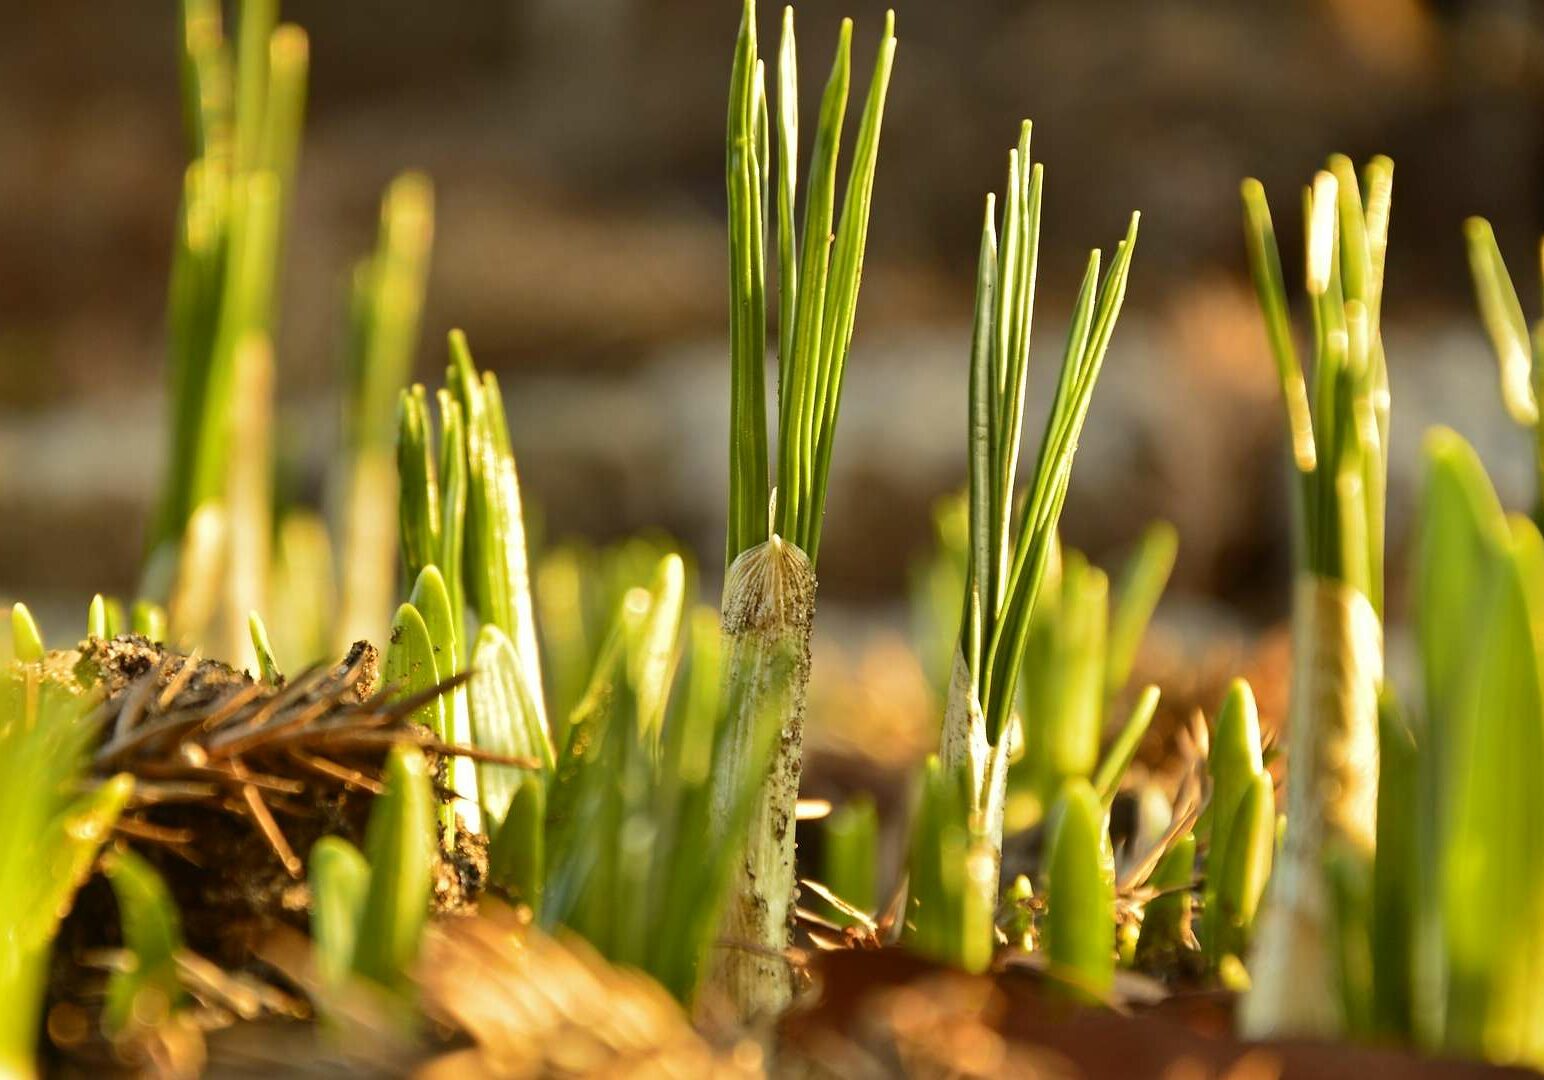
576, 147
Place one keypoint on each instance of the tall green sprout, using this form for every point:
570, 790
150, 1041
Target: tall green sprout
773, 543
1009, 551
244, 103
1337, 428
386, 307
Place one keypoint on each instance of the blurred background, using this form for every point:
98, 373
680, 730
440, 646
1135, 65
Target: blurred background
576, 147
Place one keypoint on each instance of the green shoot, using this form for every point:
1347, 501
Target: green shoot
267, 666
950, 867
852, 854
96, 618
148, 619
1079, 924
387, 303
498, 583
1123, 750
1166, 919
26, 639
142, 995
400, 846
517, 853
1006, 570
1141, 585
339, 878
1337, 436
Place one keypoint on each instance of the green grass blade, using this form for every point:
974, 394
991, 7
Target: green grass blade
980, 607
411, 668
787, 184
652, 652
1492, 870
1396, 874
418, 478
256, 20
432, 600
1265, 268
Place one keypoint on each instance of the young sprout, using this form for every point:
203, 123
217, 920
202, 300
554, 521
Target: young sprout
643, 831
1006, 570
1079, 929
773, 542
387, 303
1166, 928
96, 618
142, 995
852, 854
949, 863
244, 105
399, 844
1337, 439
267, 666
26, 638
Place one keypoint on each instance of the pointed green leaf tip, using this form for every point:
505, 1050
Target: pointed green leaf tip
401, 847
96, 618
1235, 758
148, 619
267, 666
410, 665
1080, 915
26, 638
1233, 764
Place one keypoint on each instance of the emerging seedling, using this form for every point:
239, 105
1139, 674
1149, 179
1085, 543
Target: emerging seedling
773, 542
1338, 447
